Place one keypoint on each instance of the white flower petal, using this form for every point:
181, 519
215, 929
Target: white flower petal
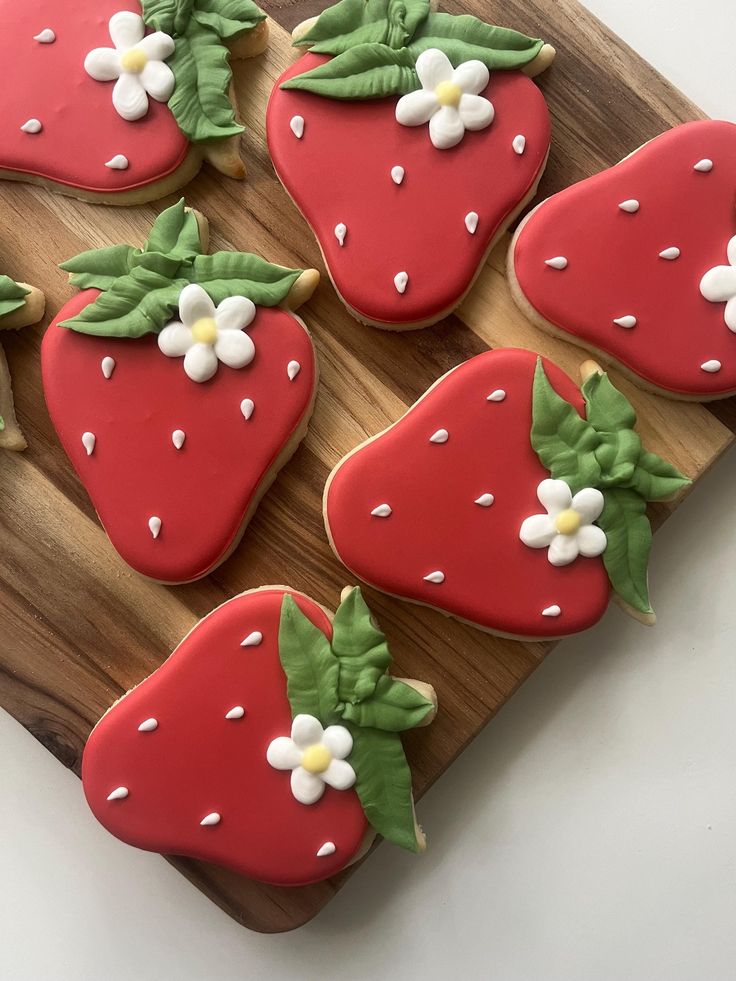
416, 108
158, 80
200, 362
157, 46
446, 128
283, 754
339, 774
731, 251
433, 67
591, 540
731, 314
563, 550
305, 786
103, 64
126, 29
475, 112
234, 313
471, 76
306, 731
339, 741
719, 284
234, 348
175, 340
538, 531
588, 503
129, 97
194, 305
554, 495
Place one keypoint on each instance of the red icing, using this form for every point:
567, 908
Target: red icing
81, 128
614, 267
202, 491
491, 578
340, 171
197, 761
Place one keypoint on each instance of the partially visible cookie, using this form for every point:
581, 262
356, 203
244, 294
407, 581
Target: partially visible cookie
20, 305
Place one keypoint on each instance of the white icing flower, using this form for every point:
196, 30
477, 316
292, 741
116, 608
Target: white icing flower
315, 756
448, 99
719, 285
567, 528
137, 62
206, 335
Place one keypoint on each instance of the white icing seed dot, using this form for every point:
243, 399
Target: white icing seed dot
630, 207
118, 162
435, 577
441, 436
397, 174
108, 366
341, 230
120, 793
154, 525
556, 262
704, 166
382, 511
292, 369
401, 280
498, 396
297, 126
485, 500
46, 36
253, 639
177, 438
210, 820
519, 144
148, 726
32, 126
551, 611
88, 442
327, 849
236, 712
672, 253
471, 221
628, 321
711, 366
246, 407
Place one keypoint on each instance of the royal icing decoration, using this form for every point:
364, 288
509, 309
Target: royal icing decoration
397, 174
289, 793
519, 144
88, 442
46, 36
556, 262
441, 436
382, 511
254, 638
149, 725
246, 407
341, 230
551, 611
667, 267
108, 366
296, 125
468, 538
292, 370
32, 126
471, 221
177, 438
118, 162
154, 526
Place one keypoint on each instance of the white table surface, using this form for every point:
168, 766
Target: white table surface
589, 834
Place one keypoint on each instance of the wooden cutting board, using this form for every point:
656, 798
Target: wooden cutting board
78, 629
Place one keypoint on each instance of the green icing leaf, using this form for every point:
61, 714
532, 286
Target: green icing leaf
175, 233
368, 71
656, 479
393, 706
99, 268
169, 16
606, 408
629, 540
383, 784
310, 667
12, 296
243, 274
464, 38
228, 18
352, 22
360, 647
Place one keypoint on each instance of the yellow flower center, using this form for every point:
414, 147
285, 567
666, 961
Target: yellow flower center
316, 759
205, 331
134, 61
568, 522
448, 93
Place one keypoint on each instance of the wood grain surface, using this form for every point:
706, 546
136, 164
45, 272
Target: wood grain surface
78, 628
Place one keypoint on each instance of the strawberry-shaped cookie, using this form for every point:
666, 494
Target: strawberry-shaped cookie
638, 264
20, 305
120, 101
409, 140
505, 497
268, 742
179, 384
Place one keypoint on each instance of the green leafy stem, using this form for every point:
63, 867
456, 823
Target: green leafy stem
12, 296
603, 451
201, 30
375, 45
345, 682
141, 287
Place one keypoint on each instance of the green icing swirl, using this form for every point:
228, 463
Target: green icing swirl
375, 44
12, 296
